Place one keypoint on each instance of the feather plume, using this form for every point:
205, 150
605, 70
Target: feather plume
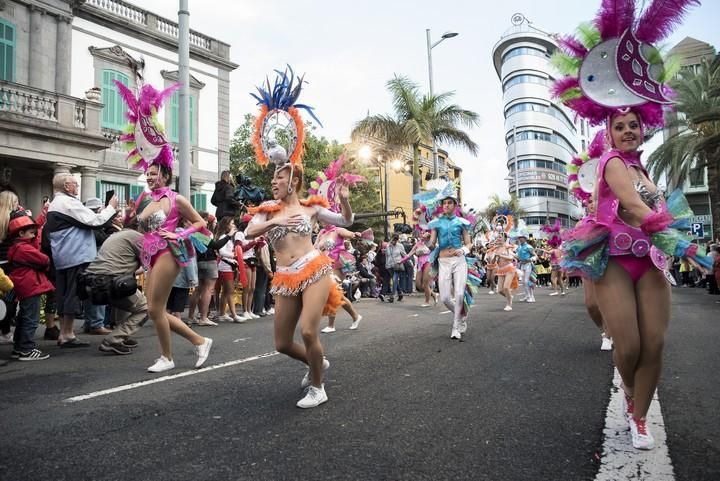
128, 96
598, 145
614, 17
661, 17
572, 46
566, 64
588, 35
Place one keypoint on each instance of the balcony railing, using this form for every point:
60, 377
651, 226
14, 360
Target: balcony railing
31, 104
147, 19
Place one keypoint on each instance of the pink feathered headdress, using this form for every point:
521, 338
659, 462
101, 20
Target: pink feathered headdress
553, 232
326, 182
144, 136
612, 65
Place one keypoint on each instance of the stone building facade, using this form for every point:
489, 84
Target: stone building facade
60, 112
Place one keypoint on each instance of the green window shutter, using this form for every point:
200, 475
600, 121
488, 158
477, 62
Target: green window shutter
135, 191
173, 128
98, 188
113, 115
7, 51
203, 201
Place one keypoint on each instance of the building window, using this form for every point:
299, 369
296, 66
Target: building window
697, 177
546, 109
113, 114
557, 165
121, 191
525, 51
555, 138
527, 78
173, 128
7, 51
543, 192
199, 202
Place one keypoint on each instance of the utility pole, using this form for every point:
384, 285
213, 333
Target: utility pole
184, 98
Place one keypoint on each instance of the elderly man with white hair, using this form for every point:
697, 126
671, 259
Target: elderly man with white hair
68, 235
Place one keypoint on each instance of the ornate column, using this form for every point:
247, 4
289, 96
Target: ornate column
87, 183
60, 168
63, 48
35, 77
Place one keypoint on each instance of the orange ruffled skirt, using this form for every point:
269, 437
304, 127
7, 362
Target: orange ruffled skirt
294, 279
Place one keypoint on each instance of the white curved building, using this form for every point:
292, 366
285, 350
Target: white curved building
540, 134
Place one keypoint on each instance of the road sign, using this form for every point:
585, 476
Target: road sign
697, 230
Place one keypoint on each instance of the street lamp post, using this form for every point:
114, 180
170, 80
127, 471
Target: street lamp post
430, 46
367, 154
184, 98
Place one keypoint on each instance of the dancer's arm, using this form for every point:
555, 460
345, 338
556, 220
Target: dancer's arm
188, 213
260, 224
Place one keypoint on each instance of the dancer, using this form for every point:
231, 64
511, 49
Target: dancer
303, 286
159, 213
554, 241
331, 242
422, 275
506, 270
610, 81
451, 233
525, 254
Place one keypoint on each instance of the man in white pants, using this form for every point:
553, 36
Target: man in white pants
451, 233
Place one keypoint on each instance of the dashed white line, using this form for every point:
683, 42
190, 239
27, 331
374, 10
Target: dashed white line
193, 372
619, 459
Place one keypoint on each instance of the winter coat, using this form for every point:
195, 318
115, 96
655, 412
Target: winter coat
29, 266
6, 284
224, 199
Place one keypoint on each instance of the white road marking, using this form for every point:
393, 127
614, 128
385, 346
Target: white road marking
445, 312
136, 385
619, 459
414, 315
242, 339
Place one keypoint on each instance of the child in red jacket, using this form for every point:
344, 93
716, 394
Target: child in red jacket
28, 274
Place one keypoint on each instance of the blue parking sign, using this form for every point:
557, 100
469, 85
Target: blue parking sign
697, 230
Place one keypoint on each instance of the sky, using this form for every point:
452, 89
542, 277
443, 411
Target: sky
349, 50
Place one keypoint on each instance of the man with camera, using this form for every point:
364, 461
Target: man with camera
224, 196
110, 279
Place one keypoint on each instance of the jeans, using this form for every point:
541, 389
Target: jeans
26, 324
397, 282
94, 315
261, 282
408, 278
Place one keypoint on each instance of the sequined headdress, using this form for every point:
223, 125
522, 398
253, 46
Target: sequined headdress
279, 122
611, 65
144, 136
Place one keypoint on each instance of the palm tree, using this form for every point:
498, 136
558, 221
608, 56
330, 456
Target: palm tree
419, 119
498, 204
694, 140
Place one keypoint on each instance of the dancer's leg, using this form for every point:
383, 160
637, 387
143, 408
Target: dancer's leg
158, 287
313, 303
287, 313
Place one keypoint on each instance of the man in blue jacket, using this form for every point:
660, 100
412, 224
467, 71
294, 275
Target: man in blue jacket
68, 233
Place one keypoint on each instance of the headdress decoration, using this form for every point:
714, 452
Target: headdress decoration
437, 190
279, 120
582, 170
144, 137
553, 231
325, 184
611, 65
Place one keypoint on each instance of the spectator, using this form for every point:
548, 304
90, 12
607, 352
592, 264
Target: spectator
28, 276
8, 204
120, 257
95, 314
223, 198
367, 280
393, 261
207, 265
69, 237
384, 273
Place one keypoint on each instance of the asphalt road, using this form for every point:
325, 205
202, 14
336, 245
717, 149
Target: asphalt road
523, 397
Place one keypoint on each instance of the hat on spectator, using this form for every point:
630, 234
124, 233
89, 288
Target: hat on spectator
93, 203
19, 220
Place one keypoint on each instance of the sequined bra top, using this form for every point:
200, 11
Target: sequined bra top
304, 228
153, 222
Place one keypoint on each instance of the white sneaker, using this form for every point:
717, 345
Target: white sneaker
524, 299
641, 437
491, 292
532, 299
327, 330
263, 313
271, 311
563, 293
224, 318
306, 379
507, 308
607, 343
424, 305
162, 364
455, 334
240, 319
206, 322
249, 315
356, 323
555, 293
202, 351
315, 396
462, 326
